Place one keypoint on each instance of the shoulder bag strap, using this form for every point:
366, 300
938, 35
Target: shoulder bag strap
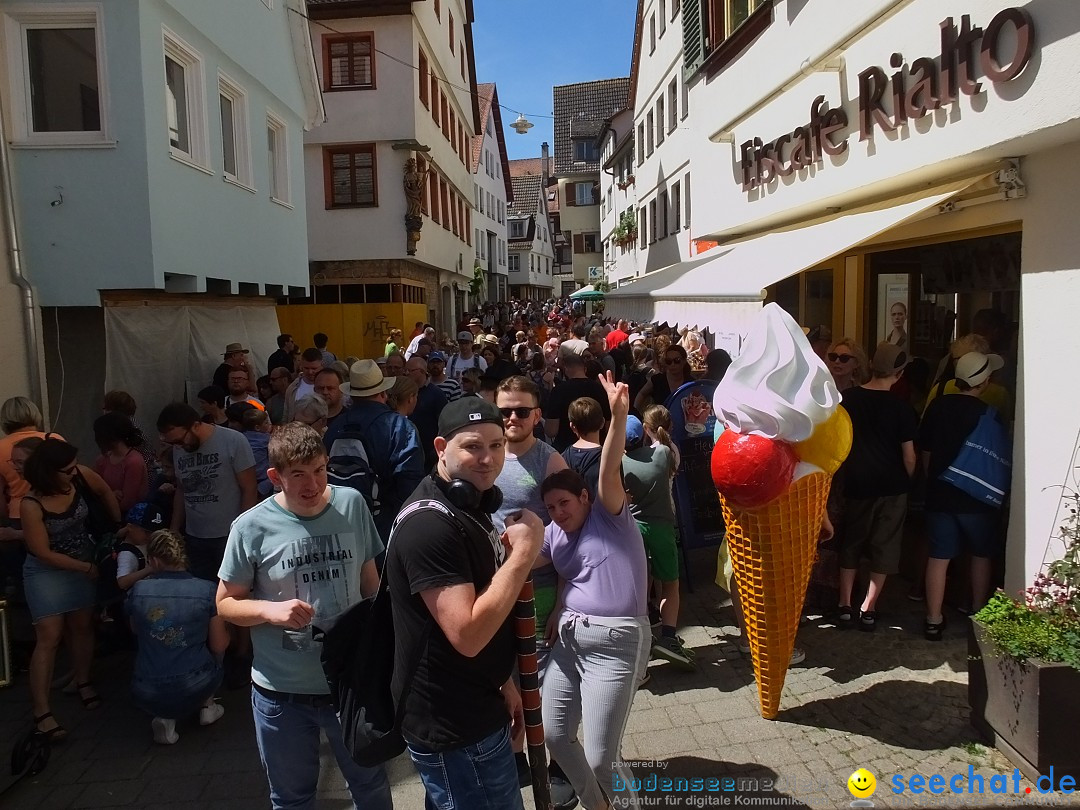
414, 664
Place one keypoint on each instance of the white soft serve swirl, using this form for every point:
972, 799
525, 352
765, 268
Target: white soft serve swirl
777, 387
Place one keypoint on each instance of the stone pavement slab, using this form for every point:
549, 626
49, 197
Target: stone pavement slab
888, 701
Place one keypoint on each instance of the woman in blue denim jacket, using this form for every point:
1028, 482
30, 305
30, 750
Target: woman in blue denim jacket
181, 640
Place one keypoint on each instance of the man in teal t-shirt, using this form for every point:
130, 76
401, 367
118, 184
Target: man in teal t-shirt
307, 552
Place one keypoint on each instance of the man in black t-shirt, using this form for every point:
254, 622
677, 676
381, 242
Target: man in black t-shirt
576, 384
453, 583
877, 474
955, 521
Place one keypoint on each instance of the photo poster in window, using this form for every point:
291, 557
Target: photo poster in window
893, 309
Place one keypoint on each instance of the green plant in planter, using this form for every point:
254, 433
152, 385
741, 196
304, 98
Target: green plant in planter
1046, 625
626, 231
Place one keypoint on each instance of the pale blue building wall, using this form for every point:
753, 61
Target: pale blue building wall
132, 214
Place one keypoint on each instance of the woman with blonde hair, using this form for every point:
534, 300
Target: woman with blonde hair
393, 342
402, 397
848, 364
20, 419
181, 640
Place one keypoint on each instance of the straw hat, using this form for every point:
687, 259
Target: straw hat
366, 380
233, 348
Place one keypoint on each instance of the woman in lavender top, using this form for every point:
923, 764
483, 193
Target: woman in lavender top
599, 630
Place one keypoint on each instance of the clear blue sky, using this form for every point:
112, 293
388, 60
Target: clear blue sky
528, 46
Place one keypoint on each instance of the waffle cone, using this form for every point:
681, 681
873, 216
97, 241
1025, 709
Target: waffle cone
772, 550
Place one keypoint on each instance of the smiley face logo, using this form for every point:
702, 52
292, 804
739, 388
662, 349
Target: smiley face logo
862, 784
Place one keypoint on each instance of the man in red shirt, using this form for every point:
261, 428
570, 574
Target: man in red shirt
618, 335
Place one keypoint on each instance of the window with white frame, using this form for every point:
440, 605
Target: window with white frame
584, 194
278, 158
57, 74
591, 242
517, 229
514, 262
185, 103
660, 120
235, 154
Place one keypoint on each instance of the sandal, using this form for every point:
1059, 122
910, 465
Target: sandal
55, 734
845, 618
868, 621
91, 701
933, 632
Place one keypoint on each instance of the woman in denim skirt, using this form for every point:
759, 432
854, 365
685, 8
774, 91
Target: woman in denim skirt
59, 573
181, 640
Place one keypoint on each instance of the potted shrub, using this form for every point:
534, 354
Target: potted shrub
1024, 664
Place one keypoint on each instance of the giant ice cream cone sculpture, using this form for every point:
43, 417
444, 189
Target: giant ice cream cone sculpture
785, 435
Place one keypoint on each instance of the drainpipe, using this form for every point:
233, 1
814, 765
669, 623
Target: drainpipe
7, 213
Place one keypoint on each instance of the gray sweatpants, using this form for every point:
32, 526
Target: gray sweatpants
592, 675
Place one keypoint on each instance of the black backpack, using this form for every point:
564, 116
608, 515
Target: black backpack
358, 648
349, 465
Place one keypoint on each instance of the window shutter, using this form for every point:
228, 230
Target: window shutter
571, 193
579, 243
693, 22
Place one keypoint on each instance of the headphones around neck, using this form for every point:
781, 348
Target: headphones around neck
465, 495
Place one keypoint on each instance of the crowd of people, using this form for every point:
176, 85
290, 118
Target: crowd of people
535, 442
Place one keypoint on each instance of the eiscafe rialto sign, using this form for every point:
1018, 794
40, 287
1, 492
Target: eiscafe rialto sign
912, 91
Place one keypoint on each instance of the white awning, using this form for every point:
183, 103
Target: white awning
722, 288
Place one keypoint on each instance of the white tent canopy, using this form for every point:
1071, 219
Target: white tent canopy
720, 289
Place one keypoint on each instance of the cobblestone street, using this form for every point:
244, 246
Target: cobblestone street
889, 702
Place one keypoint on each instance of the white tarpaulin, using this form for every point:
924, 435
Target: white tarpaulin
716, 290
160, 354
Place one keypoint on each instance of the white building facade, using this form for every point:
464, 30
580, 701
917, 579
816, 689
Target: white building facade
491, 192
399, 84
156, 163
915, 158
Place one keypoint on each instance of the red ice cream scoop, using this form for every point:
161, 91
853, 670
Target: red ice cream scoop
750, 470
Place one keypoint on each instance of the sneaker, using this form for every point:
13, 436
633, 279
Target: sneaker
845, 617
672, 651
868, 621
797, 657
208, 715
562, 794
932, 631
164, 731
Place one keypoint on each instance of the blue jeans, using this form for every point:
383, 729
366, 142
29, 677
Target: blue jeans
288, 736
481, 776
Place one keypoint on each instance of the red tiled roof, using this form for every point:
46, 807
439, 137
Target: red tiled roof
485, 93
487, 97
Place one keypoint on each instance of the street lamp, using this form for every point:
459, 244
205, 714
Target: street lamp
522, 125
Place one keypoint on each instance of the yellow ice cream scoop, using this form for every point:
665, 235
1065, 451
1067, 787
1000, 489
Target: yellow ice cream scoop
829, 444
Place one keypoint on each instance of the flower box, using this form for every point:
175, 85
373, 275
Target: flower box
1030, 709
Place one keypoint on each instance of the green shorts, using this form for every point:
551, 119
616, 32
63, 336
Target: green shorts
663, 553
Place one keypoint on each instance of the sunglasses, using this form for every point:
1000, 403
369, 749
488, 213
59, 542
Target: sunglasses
520, 413
843, 358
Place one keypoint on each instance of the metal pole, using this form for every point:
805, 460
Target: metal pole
528, 671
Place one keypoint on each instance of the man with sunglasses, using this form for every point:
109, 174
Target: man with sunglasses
527, 463
215, 482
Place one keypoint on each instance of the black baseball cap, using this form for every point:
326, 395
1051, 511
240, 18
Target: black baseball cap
467, 412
